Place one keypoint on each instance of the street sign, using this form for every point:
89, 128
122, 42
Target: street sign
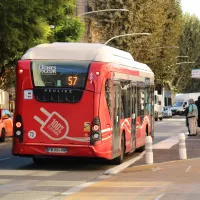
196, 73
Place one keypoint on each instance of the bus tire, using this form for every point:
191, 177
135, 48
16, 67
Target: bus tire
120, 158
160, 118
3, 135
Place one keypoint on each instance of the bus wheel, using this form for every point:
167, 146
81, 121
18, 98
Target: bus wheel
120, 158
3, 135
160, 118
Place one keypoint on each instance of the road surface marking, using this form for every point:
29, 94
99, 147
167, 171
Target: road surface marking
80, 187
124, 165
187, 170
2, 159
192, 139
160, 196
168, 143
156, 169
60, 183
174, 119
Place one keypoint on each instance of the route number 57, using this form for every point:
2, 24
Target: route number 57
72, 80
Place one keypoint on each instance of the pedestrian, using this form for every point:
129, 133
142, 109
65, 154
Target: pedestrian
186, 118
198, 106
192, 117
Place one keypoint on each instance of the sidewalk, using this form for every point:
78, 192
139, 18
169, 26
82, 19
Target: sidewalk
164, 155
168, 179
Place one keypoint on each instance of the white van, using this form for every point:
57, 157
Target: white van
181, 102
158, 106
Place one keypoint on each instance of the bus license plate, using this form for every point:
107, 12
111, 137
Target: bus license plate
56, 150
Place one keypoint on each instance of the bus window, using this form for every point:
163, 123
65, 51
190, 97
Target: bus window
126, 97
108, 96
60, 74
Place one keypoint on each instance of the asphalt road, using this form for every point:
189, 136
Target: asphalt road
21, 179
169, 127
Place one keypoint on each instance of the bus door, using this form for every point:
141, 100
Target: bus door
116, 119
133, 118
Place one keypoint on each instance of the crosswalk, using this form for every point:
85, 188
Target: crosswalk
167, 144
35, 184
171, 119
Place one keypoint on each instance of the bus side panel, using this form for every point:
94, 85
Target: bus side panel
106, 122
126, 126
142, 129
25, 72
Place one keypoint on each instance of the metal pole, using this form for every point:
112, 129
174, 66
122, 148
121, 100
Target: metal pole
167, 47
125, 35
181, 63
105, 10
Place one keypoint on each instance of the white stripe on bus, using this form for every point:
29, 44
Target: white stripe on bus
107, 137
106, 130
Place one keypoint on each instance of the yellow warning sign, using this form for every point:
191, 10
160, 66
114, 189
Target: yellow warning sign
87, 126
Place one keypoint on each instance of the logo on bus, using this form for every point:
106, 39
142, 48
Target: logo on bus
47, 70
55, 127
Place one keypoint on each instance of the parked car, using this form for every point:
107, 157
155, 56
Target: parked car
6, 124
167, 112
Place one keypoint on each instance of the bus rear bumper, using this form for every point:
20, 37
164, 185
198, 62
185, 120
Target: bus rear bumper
34, 150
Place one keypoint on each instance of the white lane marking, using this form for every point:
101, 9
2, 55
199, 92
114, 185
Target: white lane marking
160, 196
80, 187
193, 139
187, 170
2, 159
168, 143
156, 169
174, 119
107, 137
124, 165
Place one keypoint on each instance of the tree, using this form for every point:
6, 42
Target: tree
25, 24
161, 18
189, 46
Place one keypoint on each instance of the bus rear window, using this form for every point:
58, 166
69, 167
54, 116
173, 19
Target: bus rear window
65, 74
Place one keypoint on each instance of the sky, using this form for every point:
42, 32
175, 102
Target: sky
191, 6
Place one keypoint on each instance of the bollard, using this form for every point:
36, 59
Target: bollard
182, 147
148, 150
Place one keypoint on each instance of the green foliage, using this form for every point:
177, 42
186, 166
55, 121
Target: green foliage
26, 23
161, 18
189, 46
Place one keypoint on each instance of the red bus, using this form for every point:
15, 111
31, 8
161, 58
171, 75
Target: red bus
81, 100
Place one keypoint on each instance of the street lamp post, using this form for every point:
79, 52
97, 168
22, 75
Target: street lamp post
99, 11
126, 35
182, 56
105, 10
182, 63
167, 47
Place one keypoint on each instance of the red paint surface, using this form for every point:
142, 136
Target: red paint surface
92, 104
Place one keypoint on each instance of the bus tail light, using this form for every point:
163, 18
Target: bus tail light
18, 124
95, 127
96, 131
18, 128
21, 71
